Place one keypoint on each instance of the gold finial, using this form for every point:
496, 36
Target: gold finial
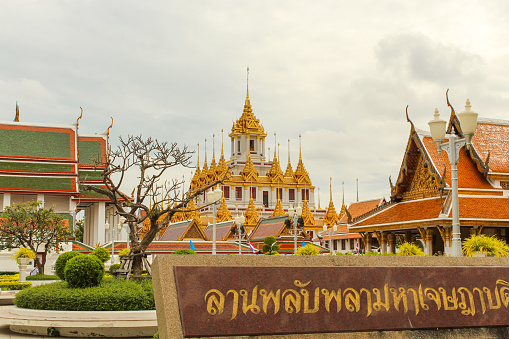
357, 189
247, 81
269, 153
300, 147
343, 183
288, 150
319, 198
213, 148
205, 151
81, 116
330, 188
275, 147
222, 137
198, 162
278, 154
108, 130
16, 118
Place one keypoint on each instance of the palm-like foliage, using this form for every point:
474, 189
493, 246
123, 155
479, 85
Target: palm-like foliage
484, 244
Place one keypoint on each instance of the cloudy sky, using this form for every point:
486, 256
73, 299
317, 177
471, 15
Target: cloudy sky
338, 72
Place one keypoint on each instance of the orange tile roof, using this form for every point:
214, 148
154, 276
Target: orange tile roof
222, 229
174, 231
405, 211
468, 174
493, 136
483, 208
357, 209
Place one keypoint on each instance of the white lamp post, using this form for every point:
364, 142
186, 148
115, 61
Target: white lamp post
294, 215
332, 231
213, 196
239, 231
437, 126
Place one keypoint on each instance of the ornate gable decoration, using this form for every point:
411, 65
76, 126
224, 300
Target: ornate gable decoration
195, 215
193, 231
424, 183
331, 218
247, 123
249, 172
301, 175
275, 174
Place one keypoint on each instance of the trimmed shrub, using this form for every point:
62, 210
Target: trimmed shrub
408, 249
61, 261
309, 249
84, 271
184, 251
125, 251
8, 272
14, 285
270, 246
114, 267
110, 295
101, 253
6, 278
43, 277
488, 245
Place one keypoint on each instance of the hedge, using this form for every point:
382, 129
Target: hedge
110, 295
43, 277
8, 272
14, 285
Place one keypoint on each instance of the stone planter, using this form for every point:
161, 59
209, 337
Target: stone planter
24, 261
112, 324
479, 254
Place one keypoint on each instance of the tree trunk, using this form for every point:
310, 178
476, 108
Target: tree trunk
39, 265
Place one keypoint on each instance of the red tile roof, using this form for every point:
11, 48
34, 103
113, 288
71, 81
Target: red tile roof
483, 208
493, 136
405, 211
174, 231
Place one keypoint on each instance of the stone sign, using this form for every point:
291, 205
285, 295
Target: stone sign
232, 300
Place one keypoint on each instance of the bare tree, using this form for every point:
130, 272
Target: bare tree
151, 159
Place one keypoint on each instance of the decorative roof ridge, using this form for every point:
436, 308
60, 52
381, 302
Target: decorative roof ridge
376, 210
38, 124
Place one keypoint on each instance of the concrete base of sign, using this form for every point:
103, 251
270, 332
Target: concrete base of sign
114, 324
7, 297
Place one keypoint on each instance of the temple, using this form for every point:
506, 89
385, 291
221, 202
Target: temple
48, 163
420, 205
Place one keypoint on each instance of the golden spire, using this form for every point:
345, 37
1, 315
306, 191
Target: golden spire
278, 210
16, 118
275, 174
343, 207
196, 182
249, 172
357, 189
309, 220
192, 214
223, 213
289, 170
319, 198
212, 175
301, 175
247, 123
205, 170
251, 214
222, 167
330, 218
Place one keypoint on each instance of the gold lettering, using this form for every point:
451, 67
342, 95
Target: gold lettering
328, 298
398, 297
481, 296
421, 299
270, 296
449, 299
433, 295
235, 303
291, 296
504, 291
368, 297
253, 307
305, 294
352, 296
416, 300
465, 310
215, 305
378, 304
490, 301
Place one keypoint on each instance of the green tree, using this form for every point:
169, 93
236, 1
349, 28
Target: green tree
78, 234
270, 246
31, 226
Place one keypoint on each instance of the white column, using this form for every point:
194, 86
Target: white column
7, 201
456, 232
40, 197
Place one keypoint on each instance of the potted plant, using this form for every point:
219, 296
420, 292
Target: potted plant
23, 256
482, 245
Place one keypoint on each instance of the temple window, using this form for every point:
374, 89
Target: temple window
251, 145
291, 194
238, 193
265, 199
352, 246
343, 244
238, 146
253, 192
305, 194
226, 192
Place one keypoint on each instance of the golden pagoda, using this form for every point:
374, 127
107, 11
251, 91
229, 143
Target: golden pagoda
249, 172
251, 214
331, 218
278, 210
309, 220
343, 207
301, 175
289, 171
223, 213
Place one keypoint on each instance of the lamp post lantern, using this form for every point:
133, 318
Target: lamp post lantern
239, 230
332, 231
437, 126
213, 196
295, 218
